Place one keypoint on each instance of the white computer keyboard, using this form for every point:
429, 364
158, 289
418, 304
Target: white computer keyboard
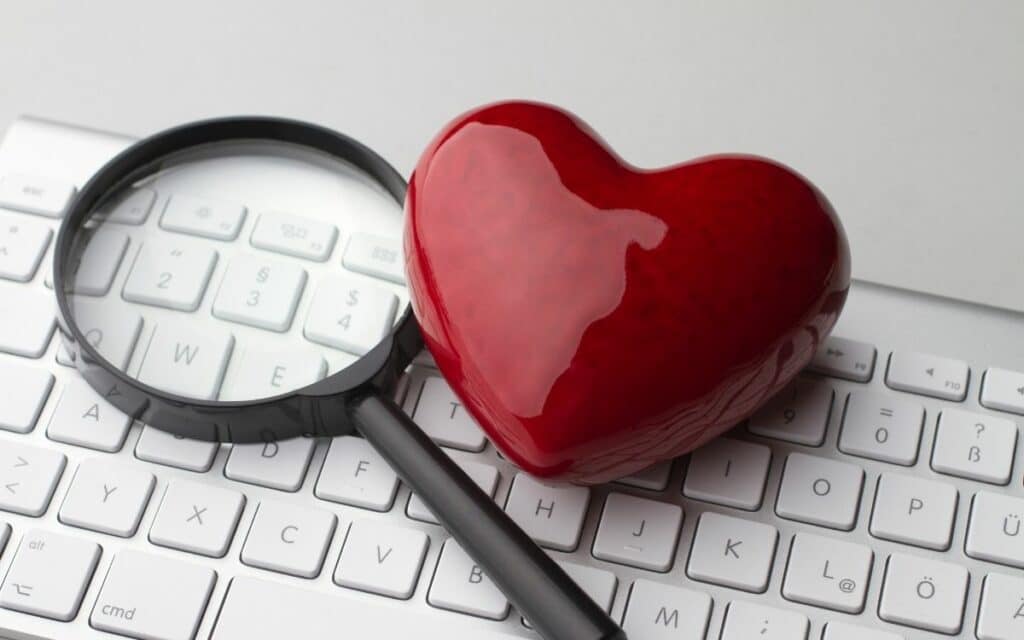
880, 497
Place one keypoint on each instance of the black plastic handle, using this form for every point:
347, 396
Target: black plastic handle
555, 605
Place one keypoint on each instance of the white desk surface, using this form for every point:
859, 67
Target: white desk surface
909, 115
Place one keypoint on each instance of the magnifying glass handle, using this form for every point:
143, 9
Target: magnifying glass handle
555, 605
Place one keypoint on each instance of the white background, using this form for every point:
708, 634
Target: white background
907, 114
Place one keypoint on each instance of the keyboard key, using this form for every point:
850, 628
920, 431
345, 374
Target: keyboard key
638, 532
843, 631
829, 573
924, 594
170, 274
294, 236
381, 559
259, 373
599, 584
100, 261
49, 575
264, 610
914, 511
375, 256
974, 446
25, 392
1003, 390
132, 209
460, 585
657, 611
275, 464
820, 491
1002, 608
197, 518
152, 597
484, 475
187, 360
22, 246
799, 413
995, 530
289, 539
260, 293
108, 497
882, 427
443, 417
163, 448
85, 419
553, 516
27, 321
5, 535
114, 336
35, 194
355, 474
350, 315
28, 477
729, 472
745, 620
653, 478
844, 358
732, 552
206, 217
928, 375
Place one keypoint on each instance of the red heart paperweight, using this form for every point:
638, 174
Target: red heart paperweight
596, 318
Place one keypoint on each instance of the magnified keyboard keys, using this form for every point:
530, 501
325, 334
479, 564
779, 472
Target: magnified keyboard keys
996, 530
100, 262
799, 413
441, 415
928, 375
114, 335
107, 497
186, 360
132, 209
22, 246
27, 321
381, 559
261, 374
844, 358
197, 518
289, 539
975, 446
152, 597
745, 620
925, 594
657, 611
350, 315
49, 575
882, 427
460, 585
375, 256
28, 477
35, 194
25, 392
355, 474
206, 217
260, 293
171, 275
914, 511
85, 418
294, 236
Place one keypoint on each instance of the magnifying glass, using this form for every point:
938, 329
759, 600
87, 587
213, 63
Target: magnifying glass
241, 279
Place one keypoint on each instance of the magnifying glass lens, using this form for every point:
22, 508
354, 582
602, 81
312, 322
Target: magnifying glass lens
238, 270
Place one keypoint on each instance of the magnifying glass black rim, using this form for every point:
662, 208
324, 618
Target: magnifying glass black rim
304, 411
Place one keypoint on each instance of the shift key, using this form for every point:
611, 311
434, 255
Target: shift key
152, 597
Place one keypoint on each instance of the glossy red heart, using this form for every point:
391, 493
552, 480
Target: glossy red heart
595, 318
